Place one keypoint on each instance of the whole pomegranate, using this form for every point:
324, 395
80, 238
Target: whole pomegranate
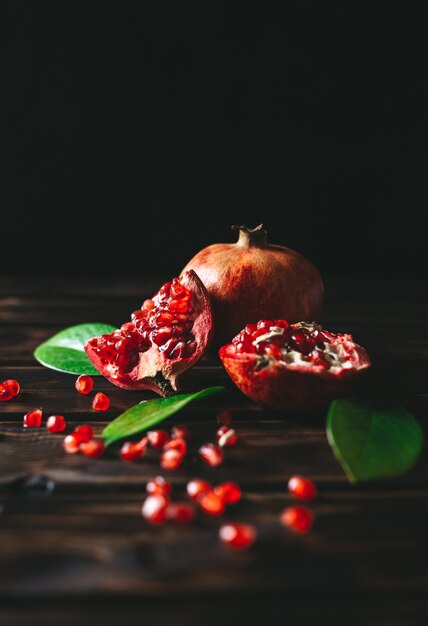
251, 279
164, 338
293, 367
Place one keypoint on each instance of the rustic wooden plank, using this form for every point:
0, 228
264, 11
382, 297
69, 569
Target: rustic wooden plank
86, 535
71, 527
197, 609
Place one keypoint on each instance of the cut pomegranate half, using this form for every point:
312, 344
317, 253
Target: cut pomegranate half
162, 340
293, 366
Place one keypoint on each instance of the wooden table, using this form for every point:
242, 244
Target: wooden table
73, 545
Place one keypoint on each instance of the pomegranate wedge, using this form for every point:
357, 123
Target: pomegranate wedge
294, 367
164, 338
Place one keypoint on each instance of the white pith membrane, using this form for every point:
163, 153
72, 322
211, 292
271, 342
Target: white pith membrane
341, 353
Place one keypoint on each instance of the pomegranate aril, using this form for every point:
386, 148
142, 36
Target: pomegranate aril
165, 289
159, 486
84, 384
128, 328
125, 345
282, 324
83, 433
178, 290
211, 503
297, 518
226, 437
169, 346
14, 386
211, 454
131, 451
224, 418
197, 487
101, 402
33, 419
250, 329
179, 306
221, 431
177, 444
55, 424
147, 305
71, 444
5, 393
229, 438
164, 318
237, 536
228, 492
180, 512
190, 348
302, 488
162, 335
178, 351
180, 432
171, 460
157, 438
273, 351
154, 509
94, 447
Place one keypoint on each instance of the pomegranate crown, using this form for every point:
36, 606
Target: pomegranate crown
251, 237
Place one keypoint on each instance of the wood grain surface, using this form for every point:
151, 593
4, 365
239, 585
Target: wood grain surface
74, 547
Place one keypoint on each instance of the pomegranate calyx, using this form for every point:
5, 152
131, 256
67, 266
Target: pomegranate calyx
251, 237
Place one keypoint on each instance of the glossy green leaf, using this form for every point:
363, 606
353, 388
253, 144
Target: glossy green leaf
65, 350
372, 442
151, 412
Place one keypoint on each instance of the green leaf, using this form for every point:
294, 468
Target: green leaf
65, 350
151, 412
373, 443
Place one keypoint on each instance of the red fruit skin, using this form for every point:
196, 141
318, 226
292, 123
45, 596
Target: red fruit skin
279, 387
154, 370
250, 280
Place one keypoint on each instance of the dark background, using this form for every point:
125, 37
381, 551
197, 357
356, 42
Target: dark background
135, 133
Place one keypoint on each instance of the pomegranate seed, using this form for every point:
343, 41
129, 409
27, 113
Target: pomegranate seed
180, 432
229, 438
101, 402
302, 488
157, 438
84, 384
237, 536
13, 385
94, 447
83, 433
147, 305
33, 419
264, 324
222, 431
211, 454
71, 444
131, 451
159, 486
55, 424
196, 487
224, 418
229, 492
161, 336
171, 460
154, 509
297, 518
5, 393
176, 444
211, 503
180, 512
